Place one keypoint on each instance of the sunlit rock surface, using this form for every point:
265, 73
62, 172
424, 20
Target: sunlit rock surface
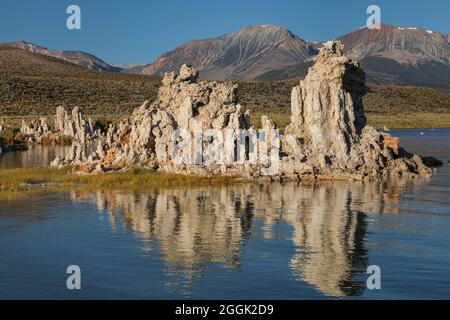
73, 126
199, 127
329, 123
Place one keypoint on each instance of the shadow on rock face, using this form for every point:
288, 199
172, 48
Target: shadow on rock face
326, 138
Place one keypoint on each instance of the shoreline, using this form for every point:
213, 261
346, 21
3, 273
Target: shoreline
21, 182
410, 121
17, 183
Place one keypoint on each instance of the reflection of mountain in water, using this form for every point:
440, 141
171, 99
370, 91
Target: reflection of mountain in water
200, 226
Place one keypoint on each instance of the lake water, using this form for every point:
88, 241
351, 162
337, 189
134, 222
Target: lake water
274, 241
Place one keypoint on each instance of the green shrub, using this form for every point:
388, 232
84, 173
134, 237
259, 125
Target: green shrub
8, 135
65, 140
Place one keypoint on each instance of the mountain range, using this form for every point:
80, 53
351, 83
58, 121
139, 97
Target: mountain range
389, 55
33, 84
243, 55
80, 58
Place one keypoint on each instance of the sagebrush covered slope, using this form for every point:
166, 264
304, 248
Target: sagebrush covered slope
32, 84
78, 57
35, 84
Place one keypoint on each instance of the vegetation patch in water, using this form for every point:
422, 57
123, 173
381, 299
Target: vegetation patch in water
16, 183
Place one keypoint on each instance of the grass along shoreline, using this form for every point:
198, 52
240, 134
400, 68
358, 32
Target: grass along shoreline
410, 121
17, 183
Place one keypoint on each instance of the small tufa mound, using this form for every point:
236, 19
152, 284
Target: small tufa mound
74, 126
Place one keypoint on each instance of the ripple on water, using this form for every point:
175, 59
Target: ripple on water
246, 241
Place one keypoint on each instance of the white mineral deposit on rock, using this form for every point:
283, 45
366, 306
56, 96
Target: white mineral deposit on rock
199, 127
74, 126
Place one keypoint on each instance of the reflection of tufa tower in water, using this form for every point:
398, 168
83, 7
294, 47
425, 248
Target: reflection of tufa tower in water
191, 227
199, 226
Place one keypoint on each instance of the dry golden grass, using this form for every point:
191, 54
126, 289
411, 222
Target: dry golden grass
395, 121
16, 183
410, 121
33, 85
391, 106
281, 120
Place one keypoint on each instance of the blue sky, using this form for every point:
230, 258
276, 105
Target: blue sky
137, 31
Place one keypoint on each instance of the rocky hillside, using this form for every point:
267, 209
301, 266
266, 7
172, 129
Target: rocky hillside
397, 55
391, 55
33, 84
80, 58
242, 55
422, 107
403, 45
380, 99
381, 70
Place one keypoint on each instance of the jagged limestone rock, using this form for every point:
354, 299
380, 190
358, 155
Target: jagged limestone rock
75, 156
199, 127
327, 107
149, 137
328, 117
36, 130
74, 126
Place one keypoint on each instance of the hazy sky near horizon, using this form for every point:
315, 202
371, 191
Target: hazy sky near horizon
138, 31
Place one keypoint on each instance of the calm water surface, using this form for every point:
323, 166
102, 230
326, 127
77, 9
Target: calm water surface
289, 241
